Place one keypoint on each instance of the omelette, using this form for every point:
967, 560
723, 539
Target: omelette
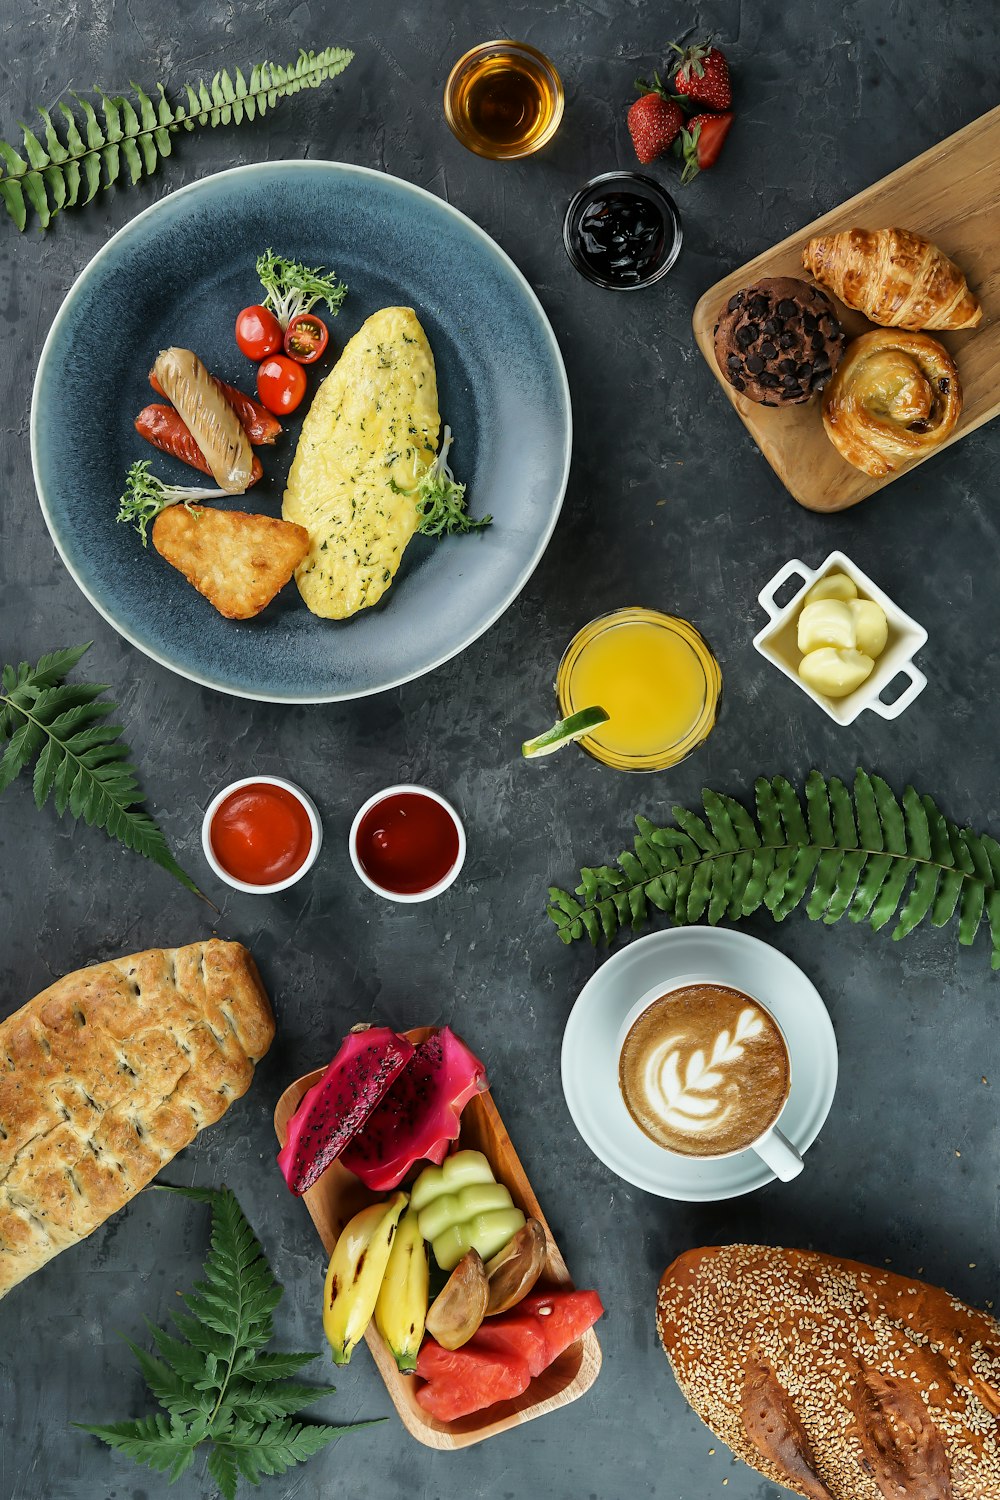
370, 434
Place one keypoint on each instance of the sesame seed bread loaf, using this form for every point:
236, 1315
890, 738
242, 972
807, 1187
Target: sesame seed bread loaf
841, 1381
106, 1075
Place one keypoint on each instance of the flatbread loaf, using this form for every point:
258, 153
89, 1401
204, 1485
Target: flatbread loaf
106, 1075
840, 1380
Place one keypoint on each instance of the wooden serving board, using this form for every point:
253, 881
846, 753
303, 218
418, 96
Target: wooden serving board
951, 194
339, 1195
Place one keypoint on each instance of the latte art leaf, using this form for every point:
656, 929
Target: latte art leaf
678, 1090
704, 1070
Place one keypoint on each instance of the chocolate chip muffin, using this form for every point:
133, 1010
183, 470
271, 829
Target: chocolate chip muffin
779, 341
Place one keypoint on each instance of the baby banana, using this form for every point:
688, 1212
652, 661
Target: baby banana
355, 1274
402, 1303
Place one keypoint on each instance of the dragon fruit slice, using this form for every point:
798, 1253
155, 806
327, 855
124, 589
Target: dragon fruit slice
335, 1109
419, 1116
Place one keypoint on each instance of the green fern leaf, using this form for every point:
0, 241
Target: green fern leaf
15, 164
871, 876
820, 816
82, 763
94, 134
971, 911
161, 1443
742, 870
34, 150
216, 1385
278, 1366
13, 200
53, 145
790, 809
845, 828
33, 184
74, 141
768, 816
850, 868
87, 151
112, 159
721, 874
919, 901
90, 168
993, 911
268, 1401
175, 1395
861, 852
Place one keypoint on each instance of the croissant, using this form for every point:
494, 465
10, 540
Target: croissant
895, 396
893, 276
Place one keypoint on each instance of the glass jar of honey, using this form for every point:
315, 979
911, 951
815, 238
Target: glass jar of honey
503, 100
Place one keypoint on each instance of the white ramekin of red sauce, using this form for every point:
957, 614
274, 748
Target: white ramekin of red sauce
407, 843
261, 834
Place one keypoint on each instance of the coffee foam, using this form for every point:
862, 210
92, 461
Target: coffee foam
704, 1071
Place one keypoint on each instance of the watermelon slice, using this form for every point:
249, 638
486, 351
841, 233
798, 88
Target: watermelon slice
462, 1381
500, 1359
564, 1317
523, 1337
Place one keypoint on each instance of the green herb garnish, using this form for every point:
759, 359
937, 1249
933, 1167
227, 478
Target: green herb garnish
81, 760
293, 289
860, 853
145, 496
215, 1384
440, 499
79, 156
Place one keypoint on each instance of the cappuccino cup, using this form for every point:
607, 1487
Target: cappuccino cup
705, 1073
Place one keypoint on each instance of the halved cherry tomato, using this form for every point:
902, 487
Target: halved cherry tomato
258, 332
281, 384
306, 338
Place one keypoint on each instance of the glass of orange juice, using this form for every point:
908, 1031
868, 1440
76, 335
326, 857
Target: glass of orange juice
656, 678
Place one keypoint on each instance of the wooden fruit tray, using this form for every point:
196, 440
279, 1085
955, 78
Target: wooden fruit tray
338, 1195
951, 194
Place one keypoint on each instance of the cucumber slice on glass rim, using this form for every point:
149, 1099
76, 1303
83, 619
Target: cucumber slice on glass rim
565, 732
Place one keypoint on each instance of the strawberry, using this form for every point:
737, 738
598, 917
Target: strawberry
703, 75
654, 121
702, 141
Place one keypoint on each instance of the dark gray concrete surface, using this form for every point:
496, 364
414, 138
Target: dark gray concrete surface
669, 504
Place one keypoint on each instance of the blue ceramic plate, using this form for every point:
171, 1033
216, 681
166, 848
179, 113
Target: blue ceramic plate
178, 274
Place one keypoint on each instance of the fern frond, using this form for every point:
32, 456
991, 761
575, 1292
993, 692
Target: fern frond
860, 852
75, 156
218, 1387
80, 760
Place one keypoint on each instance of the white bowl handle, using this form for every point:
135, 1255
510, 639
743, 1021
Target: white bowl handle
790, 570
917, 684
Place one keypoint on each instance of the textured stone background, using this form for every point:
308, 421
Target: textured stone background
669, 503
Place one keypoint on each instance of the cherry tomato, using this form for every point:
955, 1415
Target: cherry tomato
306, 338
281, 384
258, 332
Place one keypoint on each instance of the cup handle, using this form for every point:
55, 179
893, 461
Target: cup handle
790, 570
780, 1155
917, 684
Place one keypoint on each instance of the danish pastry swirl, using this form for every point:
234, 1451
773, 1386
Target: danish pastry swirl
894, 397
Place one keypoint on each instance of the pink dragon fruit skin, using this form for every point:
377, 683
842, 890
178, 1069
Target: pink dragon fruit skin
335, 1109
418, 1117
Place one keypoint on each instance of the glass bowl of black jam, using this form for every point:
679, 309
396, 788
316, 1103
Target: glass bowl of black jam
622, 231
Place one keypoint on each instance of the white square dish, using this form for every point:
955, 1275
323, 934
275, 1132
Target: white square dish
778, 641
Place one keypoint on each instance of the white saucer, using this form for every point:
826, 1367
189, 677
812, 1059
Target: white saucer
590, 1057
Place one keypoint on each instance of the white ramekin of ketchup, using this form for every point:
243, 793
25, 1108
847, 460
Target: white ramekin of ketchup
407, 843
261, 834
